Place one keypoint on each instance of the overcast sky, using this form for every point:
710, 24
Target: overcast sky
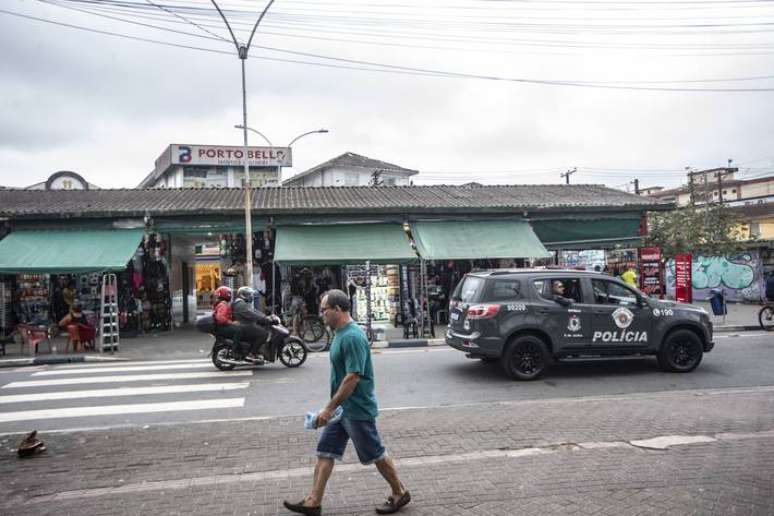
106, 107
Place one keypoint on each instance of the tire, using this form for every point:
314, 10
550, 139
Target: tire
681, 352
525, 358
293, 352
766, 318
220, 351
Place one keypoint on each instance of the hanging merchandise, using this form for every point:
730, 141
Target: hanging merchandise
155, 294
33, 299
384, 289
6, 306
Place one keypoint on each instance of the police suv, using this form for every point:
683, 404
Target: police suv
526, 318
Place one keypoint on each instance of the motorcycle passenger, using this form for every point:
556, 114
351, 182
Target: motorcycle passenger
252, 323
223, 315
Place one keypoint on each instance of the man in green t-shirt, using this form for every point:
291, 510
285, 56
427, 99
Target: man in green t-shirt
352, 388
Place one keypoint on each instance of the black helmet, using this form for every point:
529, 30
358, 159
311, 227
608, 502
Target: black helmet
246, 293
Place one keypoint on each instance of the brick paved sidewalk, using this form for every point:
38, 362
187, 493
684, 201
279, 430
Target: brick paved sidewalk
536, 457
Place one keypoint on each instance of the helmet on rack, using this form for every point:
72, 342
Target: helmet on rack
223, 293
246, 293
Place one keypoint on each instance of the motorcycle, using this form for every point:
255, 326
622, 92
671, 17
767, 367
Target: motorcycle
279, 344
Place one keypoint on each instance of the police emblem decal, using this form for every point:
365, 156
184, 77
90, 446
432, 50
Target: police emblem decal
623, 317
574, 323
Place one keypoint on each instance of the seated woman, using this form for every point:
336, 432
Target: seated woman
77, 318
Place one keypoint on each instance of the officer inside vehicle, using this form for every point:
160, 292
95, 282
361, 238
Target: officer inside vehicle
557, 292
252, 323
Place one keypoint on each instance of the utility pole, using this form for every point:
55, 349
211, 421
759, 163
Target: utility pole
636, 186
566, 175
691, 189
720, 180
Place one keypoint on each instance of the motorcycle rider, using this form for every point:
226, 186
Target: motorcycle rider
252, 323
223, 314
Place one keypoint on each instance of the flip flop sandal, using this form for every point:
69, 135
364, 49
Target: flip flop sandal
392, 506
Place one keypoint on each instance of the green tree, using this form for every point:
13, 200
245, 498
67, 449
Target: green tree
713, 230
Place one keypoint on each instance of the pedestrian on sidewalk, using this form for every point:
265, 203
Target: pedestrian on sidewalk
352, 388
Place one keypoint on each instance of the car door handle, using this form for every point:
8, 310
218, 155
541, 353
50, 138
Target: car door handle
543, 311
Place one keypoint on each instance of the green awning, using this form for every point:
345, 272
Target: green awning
588, 233
207, 226
63, 252
477, 240
342, 244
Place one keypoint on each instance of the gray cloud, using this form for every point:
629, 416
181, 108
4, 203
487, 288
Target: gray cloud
107, 107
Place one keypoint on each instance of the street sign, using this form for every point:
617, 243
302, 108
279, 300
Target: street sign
683, 278
651, 273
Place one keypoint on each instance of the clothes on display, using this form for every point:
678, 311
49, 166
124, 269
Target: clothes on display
6, 306
384, 288
154, 293
32, 299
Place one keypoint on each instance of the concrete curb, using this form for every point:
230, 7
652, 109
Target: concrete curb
738, 327
57, 359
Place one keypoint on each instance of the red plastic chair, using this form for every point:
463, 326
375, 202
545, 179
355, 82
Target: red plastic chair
87, 335
32, 336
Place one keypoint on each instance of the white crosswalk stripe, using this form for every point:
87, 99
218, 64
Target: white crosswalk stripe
123, 378
101, 391
124, 391
123, 369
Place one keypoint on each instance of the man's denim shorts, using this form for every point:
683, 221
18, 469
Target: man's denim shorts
365, 438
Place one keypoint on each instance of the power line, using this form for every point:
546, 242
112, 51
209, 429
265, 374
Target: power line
409, 70
173, 13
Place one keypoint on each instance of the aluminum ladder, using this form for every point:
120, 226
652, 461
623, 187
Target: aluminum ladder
108, 314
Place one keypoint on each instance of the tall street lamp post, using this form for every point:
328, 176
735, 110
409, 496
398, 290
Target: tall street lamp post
242, 51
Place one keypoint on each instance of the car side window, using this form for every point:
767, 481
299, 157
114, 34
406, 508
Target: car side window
569, 288
505, 290
611, 293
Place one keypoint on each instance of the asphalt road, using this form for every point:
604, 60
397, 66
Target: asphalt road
124, 394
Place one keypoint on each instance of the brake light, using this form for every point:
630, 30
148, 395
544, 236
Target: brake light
483, 311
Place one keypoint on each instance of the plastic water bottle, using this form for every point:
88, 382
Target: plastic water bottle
310, 419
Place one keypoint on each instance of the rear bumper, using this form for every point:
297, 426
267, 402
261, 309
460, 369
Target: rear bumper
474, 344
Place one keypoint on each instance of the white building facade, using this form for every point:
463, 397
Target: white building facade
350, 169
216, 166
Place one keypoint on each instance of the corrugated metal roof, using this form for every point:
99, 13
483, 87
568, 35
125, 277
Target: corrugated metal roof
310, 200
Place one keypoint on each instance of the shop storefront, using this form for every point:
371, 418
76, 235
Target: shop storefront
308, 240
44, 273
366, 258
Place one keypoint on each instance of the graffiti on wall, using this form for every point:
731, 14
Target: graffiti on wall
741, 276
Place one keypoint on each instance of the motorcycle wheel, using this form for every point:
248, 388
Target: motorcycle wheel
293, 352
219, 352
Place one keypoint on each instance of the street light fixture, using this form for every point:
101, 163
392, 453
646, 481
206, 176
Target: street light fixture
242, 51
256, 132
294, 140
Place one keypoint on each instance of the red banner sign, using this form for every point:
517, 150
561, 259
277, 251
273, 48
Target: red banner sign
651, 272
683, 278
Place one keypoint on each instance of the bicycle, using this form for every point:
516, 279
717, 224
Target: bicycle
310, 328
766, 317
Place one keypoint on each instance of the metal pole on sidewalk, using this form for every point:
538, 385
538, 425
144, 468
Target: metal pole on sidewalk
242, 51
248, 184
368, 300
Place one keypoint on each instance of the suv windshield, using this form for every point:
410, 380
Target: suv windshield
468, 290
